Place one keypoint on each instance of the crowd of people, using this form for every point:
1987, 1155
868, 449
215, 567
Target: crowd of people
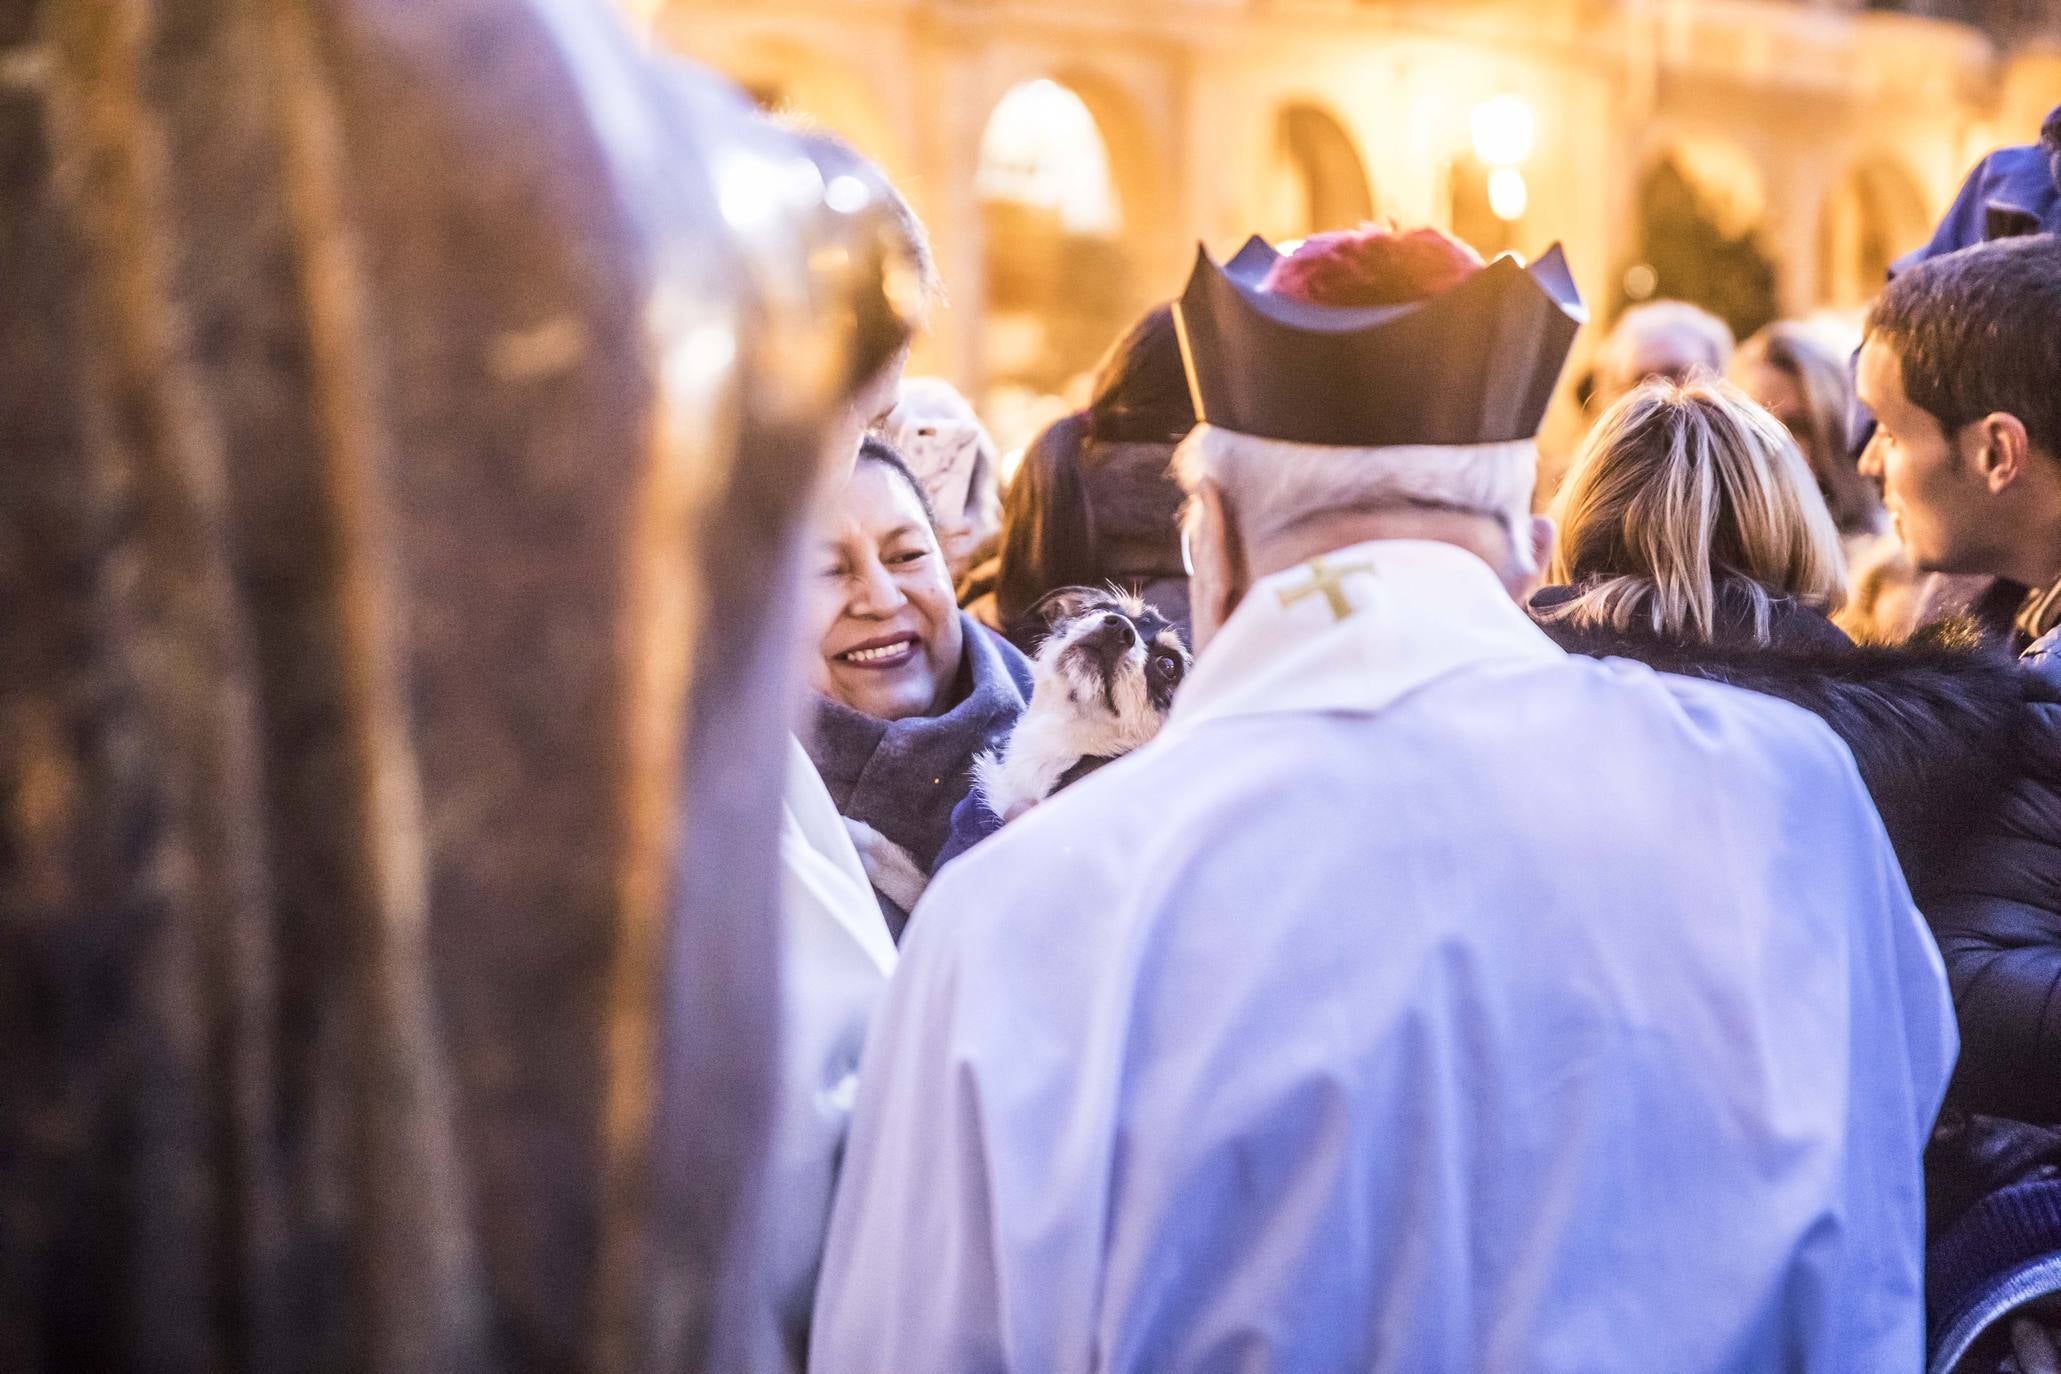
1608, 927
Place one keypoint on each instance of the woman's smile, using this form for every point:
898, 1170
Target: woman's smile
884, 651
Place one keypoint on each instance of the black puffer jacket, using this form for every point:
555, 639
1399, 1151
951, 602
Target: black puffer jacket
1998, 918
1962, 754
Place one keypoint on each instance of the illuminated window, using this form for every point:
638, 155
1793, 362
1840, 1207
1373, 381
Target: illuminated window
1042, 150
1873, 216
1059, 280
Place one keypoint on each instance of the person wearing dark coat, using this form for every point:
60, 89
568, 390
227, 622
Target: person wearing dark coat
1961, 365
909, 689
1094, 500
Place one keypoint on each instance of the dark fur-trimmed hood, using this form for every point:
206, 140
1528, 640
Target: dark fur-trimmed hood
1936, 729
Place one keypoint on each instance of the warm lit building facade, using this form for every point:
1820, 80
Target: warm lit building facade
1067, 154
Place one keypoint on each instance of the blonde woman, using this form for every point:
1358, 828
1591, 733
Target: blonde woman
1690, 516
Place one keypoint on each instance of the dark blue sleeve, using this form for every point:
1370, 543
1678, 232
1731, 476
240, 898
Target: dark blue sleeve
972, 822
1962, 225
2018, 182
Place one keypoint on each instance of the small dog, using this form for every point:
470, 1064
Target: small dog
1102, 683
1103, 680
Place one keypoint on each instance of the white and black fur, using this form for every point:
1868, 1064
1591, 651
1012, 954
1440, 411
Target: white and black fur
1103, 680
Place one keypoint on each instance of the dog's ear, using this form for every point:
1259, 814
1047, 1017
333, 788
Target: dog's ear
1062, 604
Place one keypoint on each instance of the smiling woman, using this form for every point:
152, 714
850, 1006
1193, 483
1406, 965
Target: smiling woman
909, 688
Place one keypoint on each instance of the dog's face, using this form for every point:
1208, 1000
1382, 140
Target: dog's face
1114, 657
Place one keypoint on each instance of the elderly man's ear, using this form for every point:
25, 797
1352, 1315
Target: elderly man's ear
1222, 572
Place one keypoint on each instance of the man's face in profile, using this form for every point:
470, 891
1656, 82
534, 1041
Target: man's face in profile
1936, 498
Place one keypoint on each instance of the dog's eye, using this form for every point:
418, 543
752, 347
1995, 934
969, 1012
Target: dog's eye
1166, 663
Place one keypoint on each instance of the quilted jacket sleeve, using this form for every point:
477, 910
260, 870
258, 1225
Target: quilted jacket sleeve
1999, 929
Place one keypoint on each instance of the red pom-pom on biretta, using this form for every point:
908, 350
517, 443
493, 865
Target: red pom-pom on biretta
1372, 265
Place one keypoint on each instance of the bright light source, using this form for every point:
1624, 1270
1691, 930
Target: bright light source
1641, 281
1043, 148
1508, 195
1503, 129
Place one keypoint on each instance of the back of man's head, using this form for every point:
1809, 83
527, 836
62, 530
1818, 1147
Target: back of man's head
1978, 333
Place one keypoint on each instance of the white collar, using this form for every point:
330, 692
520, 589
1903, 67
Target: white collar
1397, 614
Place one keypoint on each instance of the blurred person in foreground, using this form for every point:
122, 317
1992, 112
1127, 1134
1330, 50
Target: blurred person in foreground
1382, 1015
1094, 500
916, 283
1689, 516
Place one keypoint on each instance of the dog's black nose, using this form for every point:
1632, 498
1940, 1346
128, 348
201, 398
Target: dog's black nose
1113, 621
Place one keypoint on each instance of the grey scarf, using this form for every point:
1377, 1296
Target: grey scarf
903, 777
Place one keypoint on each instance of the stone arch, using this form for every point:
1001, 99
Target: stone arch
1728, 180
1315, 178
818, 89
1072, 189
1701, 215
1873, 214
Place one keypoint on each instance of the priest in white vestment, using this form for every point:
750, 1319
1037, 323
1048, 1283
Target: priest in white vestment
1424, 999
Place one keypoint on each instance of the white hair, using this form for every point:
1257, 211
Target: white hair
1642, 324
1278, 485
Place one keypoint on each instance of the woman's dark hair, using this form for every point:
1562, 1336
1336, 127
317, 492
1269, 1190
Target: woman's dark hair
1141, 386
874, 449
1048, 529
1049, 517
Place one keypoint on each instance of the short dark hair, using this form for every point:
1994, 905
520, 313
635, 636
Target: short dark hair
1141, 385
1978, 332
874, 449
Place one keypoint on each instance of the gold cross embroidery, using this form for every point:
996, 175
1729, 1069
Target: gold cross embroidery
1329, 581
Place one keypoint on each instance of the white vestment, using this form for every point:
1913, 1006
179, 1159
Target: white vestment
836, 956
1423, 1000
